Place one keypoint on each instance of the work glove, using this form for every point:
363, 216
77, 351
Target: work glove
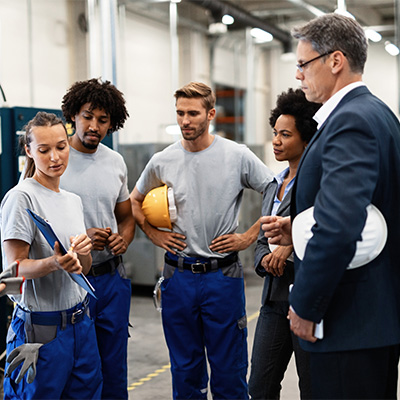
11, 271
27, 353
9, 278
13, 285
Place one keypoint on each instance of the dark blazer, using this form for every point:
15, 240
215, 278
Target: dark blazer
275, 288
353, 160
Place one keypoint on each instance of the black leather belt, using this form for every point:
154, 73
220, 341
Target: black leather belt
203, 265
105, 267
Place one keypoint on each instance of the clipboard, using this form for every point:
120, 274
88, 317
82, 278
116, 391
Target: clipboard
49, 234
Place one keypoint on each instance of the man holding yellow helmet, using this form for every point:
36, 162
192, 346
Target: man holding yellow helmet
203, 304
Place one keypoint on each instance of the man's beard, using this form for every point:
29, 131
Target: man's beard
90, 146
197, 132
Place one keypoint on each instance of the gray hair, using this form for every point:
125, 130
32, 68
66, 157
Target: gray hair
333, 32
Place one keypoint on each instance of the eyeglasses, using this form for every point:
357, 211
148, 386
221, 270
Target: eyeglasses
300, 67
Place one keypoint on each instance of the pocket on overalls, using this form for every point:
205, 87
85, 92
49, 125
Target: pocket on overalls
234, 270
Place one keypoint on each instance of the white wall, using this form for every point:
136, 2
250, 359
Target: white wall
34, 52
147, 83
194, 57
381, 75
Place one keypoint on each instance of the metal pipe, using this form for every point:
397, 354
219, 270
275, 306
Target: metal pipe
93, 38
107, 18
30, 55
173, 29
250, 114
244, 17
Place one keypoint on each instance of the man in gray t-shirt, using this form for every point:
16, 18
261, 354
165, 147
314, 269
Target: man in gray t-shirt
99, 176
203, 304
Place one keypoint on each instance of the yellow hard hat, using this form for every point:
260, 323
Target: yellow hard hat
159, 207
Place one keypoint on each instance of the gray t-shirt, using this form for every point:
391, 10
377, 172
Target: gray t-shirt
101, 181
55, 291
208, 187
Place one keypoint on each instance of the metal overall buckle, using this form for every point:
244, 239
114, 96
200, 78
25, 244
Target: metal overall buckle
77, 314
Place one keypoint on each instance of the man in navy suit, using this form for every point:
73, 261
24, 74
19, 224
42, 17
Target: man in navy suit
352, 161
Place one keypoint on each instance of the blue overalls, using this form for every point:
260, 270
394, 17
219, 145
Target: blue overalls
203, 310
68, 366
110, 313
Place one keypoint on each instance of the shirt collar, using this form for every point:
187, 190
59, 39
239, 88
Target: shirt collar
325, 111
281, 176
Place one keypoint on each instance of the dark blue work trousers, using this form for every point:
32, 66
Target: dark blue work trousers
68, 366
204, 317
110, 313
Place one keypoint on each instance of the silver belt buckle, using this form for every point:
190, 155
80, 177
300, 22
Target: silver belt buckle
198, 271
75, 315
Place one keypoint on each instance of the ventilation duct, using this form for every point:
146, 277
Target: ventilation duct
247, 19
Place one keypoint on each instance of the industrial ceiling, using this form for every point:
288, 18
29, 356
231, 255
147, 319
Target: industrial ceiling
276, 16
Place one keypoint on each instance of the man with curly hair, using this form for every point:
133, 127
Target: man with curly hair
99, 176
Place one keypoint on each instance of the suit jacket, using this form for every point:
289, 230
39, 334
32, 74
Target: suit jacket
353, 160
275, 288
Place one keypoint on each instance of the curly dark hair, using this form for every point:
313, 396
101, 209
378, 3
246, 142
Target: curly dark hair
101, 95
294, 102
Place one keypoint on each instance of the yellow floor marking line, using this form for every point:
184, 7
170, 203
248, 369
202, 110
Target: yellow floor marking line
253, 316
149, 377
166, 367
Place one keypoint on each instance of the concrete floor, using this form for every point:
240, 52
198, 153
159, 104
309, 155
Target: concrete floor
149, 377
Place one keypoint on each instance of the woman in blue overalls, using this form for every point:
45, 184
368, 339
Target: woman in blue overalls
52, 308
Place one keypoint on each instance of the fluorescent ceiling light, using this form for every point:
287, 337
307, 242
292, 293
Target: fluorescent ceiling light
175, 1
260, 35
217, 28
228, 19
392, 49
373, 35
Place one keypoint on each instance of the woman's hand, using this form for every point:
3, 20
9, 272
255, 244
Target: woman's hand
275, 262
69, 262
81, 244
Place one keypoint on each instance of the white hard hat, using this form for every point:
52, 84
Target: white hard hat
373, 241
